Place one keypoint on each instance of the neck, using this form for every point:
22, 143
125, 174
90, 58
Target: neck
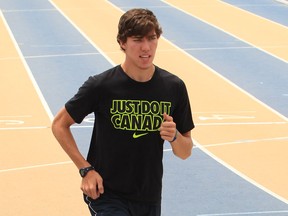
137, 74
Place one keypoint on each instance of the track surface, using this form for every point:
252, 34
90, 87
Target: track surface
233, 58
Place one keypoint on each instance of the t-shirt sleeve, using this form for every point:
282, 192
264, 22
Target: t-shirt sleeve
83, 102
182, 115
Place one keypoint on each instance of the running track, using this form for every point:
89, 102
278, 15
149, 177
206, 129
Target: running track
233, 58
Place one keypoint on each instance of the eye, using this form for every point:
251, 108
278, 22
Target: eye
153, 37
137, 39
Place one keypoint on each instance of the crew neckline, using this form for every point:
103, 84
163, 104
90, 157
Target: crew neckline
139, 82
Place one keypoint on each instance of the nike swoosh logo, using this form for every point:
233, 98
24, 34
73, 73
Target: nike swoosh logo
135, 136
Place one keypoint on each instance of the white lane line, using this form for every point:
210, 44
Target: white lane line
51, 56
24, 128
54, 45
248, 213
62, 55
240, 123
283, 1
35, 166
17, 122
30, 10
167, 150
247, 141
27, 68
83, 34
229, 33
233, 48
16, 116
206, 151
253, 14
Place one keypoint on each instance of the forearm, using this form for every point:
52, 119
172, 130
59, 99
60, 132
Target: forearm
67, 142
182, 145
61, 130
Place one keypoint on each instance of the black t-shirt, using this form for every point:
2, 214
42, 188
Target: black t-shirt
126, 148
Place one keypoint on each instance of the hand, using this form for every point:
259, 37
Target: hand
168, 128
92, 184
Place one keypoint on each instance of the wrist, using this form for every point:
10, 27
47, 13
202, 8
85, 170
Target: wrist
83, 171
175, 137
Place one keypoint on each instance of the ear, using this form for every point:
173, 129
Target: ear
122, 45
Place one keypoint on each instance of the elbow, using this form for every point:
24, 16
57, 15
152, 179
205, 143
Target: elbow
54, 126
183, 149
188, 152
185, 156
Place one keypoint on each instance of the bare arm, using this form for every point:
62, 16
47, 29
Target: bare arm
182, 145
61, 130
92, 183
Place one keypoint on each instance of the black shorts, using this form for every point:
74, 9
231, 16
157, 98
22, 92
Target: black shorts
111, 205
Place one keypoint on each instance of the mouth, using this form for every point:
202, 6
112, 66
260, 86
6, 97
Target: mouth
145, 56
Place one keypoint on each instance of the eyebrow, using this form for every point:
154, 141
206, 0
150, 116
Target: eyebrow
139, 36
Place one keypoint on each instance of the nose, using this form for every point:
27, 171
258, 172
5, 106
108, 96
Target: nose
145, 45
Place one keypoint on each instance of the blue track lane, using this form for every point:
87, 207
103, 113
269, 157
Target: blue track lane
60, 58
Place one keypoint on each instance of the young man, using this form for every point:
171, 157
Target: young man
137, 106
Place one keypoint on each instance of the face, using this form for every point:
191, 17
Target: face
140, 51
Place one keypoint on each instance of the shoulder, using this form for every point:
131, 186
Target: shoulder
168, 77
106, 75
104, 78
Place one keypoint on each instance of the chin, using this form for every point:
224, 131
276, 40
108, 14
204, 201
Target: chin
145, 67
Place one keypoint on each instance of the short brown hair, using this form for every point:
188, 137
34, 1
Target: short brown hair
137, 22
